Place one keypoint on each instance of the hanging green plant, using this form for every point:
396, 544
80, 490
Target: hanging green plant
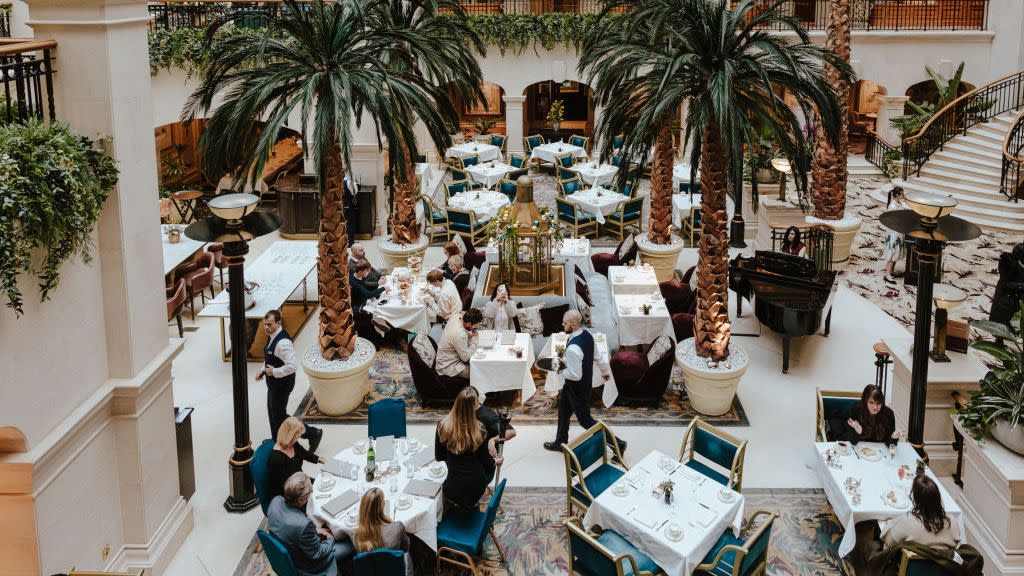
53, 182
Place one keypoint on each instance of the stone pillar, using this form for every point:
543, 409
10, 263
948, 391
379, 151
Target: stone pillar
889, 108
514, 122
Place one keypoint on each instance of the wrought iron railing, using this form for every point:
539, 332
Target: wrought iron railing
1010, 183
817, 239
865, 14
26, 74
5, 19
977, 106
885, 156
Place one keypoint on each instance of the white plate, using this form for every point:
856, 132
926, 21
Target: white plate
869, 454
406, 506
677, 537
621, 491
902, 502
727, 497
326, 484
435, 474
479, 356
351, 521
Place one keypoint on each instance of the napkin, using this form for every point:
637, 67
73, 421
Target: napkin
424, 488
703, 516
689, 473
339, 504
648, 521
384, 448
422, 458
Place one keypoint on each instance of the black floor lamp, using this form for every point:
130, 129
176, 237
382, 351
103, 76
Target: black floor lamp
234, 223
929, 225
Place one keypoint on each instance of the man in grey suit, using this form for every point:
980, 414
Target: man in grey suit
314, 550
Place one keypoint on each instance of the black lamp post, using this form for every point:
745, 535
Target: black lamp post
930, 226
234, 223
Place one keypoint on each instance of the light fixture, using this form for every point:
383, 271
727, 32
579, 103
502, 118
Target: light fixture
946, 297
233, 207
782, 166
930, 207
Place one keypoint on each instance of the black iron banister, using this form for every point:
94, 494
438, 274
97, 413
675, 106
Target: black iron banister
1010, 183
882, 154
26, 80
5, 19
977, 106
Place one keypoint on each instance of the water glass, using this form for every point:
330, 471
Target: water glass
393, 485
409, 470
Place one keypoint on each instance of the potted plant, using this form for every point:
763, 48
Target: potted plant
173, 233
666, 488
556, 113
484, 125
759, 160
998, 407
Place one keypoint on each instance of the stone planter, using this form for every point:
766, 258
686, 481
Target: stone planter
339, 386
1012, 438
397, 255
662, 257
845, 232
711, 389
766, 176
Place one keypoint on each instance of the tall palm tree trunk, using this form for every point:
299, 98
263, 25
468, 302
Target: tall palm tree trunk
405, 229
661, 187
711, 326
337, 323
828, 188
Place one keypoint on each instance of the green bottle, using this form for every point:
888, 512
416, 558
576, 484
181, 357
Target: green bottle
371, 464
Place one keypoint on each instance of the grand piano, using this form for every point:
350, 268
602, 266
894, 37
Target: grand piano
790, 295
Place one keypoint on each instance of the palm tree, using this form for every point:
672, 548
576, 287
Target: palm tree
729, 71
441, 51
828, 183
324, 63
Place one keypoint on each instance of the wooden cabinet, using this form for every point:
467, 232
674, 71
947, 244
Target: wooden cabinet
298, 206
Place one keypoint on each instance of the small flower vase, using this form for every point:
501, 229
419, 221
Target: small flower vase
174, 236
556, 124
668, 497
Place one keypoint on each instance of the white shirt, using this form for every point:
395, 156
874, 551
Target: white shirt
285, 350
574, 360
446, 301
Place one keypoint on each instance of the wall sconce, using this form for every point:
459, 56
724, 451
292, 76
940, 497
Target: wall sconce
946, 297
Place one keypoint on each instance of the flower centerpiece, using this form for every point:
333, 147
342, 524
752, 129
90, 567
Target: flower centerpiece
173, 233
549, 217
666, 488
504, 229
560, 351
556, 113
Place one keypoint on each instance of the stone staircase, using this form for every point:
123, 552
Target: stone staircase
968, 168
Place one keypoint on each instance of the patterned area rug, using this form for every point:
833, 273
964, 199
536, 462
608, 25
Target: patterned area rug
804, 540
390, 378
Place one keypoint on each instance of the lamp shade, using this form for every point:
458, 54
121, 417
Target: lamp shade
233, 207
927, 205
782, 165
947, 296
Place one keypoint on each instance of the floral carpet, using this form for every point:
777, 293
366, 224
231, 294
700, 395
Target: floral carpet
804, 539
390, 378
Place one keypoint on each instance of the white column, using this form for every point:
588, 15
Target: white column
514, 122
889, 108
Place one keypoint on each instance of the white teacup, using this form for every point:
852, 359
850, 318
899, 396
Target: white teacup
414, 444
436, 468
404, 501
361, 446
674, 530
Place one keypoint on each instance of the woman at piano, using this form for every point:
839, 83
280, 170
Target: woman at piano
871, 420
791, 243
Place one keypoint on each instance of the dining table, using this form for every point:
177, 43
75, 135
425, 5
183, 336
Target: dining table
179, 252
681, 204
574, 250
637, 328
681, 173
597, 201
548, 152
499, 367
489, 173
633, 279
486, 152
863, 482
676, 535
420, 516
402, 305
594, 173
484, 203
554, 381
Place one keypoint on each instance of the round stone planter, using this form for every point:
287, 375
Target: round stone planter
397, 255
662, 257
711, 389
1012, 438
339, 386
845, 231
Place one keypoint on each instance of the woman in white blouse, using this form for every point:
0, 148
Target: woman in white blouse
442, 297
500, 312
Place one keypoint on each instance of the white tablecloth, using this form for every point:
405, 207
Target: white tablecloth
547, 152
175, 254
877, 478
488, 174
681, 208
420, 519
681, 173
575, 250
554, 381
486, 152
696, 502
595, 174
411, 314
633, 280
598, 201
637, 328
500, 370
484, 203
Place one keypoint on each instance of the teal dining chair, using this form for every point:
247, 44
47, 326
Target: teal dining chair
380, 562
258, 469
739, 556
468, 161
589, 470
435, 219
566, 173
499, 141
465, 224
462, 531
628, 213
714, 453
517, 161
507, 186
386, 417
278, 556
605, 554
581, 141
514, 175
570, 186
578, 221
457, 187
832, 404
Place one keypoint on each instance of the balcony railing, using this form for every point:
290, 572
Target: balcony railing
1011, 183
26, 67
865, 14
5, 19
885, 156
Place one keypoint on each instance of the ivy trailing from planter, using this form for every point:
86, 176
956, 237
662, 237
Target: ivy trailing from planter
188, 48
53, 182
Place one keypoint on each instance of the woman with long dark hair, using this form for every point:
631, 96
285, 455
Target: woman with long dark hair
871, 420
500, 312
791, 243
461, 442
893, 240
376, 530
926, 523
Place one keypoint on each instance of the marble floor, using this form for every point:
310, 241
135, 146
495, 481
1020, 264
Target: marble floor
780, 409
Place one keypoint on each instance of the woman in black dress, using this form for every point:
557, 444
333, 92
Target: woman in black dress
461, 442
1010, 287
871, 420
287, 456
791, 243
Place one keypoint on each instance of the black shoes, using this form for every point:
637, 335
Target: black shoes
890, 281
315, 436
554, 446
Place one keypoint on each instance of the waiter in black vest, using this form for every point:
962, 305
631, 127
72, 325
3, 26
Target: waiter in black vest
280, 368
578, 374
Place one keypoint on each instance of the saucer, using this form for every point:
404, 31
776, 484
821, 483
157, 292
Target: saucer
479, 356
678, 534
326, 484
726, 496
406, 506
621, 490
358, 450
435, 473
351, 521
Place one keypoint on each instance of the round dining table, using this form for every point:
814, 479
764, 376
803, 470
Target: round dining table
484, 203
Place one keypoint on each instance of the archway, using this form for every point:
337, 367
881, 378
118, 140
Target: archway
486, 117
578, 109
